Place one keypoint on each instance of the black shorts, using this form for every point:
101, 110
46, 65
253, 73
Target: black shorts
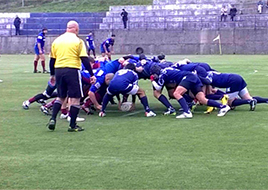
69, 83
192, 83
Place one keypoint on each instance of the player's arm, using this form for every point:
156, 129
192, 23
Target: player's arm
104, 47
39, 47
94, 100
86, 63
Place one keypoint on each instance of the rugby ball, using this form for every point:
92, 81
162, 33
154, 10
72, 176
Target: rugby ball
126, 106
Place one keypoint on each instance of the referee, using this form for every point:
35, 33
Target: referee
67, 52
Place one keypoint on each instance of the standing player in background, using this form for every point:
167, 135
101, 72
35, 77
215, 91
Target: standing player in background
91, 44
39, 51
105, 47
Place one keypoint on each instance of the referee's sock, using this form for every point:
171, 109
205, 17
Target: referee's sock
74, 110
56, 109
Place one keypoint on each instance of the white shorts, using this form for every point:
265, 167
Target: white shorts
240, 93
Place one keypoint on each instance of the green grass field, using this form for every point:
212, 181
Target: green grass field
129, 151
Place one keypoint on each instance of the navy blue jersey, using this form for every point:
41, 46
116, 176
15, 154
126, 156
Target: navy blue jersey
168, 76
205, 66
109, 42
122, 80
145, 74
165, 64
112, 66
232, 82
100, 80
90, 41
195, 68
40, 39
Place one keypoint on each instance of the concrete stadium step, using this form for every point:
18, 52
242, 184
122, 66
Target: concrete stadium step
207, 18
51, 26
45, 20
186, 25
60, 14
167, 13
165, 7
34, 32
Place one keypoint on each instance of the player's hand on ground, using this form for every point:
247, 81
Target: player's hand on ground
92, 79
52, 80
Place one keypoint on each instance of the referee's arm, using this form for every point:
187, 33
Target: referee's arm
86, 63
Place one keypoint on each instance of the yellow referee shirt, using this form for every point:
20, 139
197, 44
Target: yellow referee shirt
67, 50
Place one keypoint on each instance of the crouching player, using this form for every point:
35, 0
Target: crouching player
186, 81
235, 87
40, 98
124, 82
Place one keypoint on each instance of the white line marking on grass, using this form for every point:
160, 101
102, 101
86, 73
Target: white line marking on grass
132, 113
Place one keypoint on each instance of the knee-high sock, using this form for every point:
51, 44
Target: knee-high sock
74, 110
260, 99
56, 109
35, 65
106, 99
144, 102
238, 102
213, 103
184, 105
165, 101
37, 97
43, 65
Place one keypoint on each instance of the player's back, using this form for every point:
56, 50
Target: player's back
171, 75
220, 80
205, 66
123, 78
112, 66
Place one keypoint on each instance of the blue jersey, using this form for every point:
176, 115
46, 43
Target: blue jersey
196, 68
122, 80
100, 80
205, 66
145, 74
171, 75
40, 39
233, 82
165, 64
109, 42
112, 66
90, 41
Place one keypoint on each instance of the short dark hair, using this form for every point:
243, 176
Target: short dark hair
130, 66
113, 35
123, 9
155, 70
142, 56
161, 56
44, 29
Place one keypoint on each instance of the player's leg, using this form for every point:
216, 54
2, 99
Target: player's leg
62, 90
43, 62
107, 97
94, 53
244, 94
143, 99
75, 92
178, 94
36, 59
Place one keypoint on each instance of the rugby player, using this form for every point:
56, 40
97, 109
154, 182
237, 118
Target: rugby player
186, 81
39, 51
105, 47
124, 82
91, 44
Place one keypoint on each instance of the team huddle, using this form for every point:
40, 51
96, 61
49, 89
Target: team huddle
101, 79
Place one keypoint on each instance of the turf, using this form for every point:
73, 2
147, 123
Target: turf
127, 150
66, 5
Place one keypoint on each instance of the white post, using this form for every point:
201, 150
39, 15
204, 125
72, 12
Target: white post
22, 3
